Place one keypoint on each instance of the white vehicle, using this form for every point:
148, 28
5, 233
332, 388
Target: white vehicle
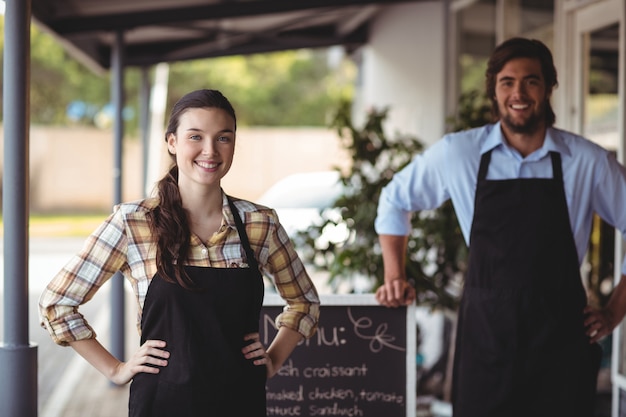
300, 199
307, 199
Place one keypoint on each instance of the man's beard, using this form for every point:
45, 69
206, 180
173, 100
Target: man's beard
528, 126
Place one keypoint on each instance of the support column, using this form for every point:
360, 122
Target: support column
118, 335
144, 121
18, 357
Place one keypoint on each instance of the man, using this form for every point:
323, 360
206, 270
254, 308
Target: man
524, 193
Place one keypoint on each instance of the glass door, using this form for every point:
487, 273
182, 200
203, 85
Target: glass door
597, 112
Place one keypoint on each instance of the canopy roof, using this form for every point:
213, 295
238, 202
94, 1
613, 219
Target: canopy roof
174, 30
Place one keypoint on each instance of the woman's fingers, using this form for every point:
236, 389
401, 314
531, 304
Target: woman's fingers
254, 349
154, 349
149, 358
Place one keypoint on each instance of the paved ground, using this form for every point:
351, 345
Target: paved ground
89, 394
67, 385
81, 390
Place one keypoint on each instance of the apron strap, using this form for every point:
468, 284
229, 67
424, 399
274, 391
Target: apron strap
557, 170
484, 165
243, 235
254, 266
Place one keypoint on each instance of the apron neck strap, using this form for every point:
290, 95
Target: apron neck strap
243, 235
557, 169
484, 165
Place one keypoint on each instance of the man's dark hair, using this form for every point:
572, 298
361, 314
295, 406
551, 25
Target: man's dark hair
521, 48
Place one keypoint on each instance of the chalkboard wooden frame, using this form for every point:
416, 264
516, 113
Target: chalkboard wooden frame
333, 304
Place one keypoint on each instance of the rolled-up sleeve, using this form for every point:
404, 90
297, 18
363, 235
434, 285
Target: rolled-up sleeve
103, 254
418, 186
390, 219
293, 283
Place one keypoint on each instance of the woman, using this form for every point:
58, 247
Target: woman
193, 257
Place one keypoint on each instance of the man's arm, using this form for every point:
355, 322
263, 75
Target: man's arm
396, 290
601, 322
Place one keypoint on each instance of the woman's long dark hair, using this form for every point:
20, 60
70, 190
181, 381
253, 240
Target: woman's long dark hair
169, 221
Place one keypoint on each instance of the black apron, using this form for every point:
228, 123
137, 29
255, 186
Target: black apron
521, 347
207, 374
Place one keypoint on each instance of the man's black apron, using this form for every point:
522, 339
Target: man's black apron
521, 348
207, 374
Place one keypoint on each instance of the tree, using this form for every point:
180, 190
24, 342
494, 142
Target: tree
289, 88
375, 158
436, 258
57, 79
437, 253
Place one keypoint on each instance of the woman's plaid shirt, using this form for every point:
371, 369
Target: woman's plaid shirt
125, 243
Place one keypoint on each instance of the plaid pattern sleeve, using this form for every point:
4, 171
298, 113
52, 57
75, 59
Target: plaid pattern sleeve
124, 243
278, 258
104, 252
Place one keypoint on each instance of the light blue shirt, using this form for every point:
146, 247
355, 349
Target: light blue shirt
594, 181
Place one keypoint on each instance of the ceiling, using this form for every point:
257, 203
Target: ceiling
174, 30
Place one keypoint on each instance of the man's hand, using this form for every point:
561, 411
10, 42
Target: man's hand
598, 322
395, 293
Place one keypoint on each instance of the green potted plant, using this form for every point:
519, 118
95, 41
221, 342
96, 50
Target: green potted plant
437, 252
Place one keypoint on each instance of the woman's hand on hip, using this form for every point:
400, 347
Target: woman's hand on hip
149, 358
254, 349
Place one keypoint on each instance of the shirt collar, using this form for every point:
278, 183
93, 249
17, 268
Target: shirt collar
553, 142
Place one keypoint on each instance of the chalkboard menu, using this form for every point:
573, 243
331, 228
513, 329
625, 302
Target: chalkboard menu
361, 361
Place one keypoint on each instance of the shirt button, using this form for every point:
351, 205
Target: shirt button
204, 251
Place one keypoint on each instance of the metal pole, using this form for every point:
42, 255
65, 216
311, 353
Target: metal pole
156, 143
117, 282
18, 357
144, 121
